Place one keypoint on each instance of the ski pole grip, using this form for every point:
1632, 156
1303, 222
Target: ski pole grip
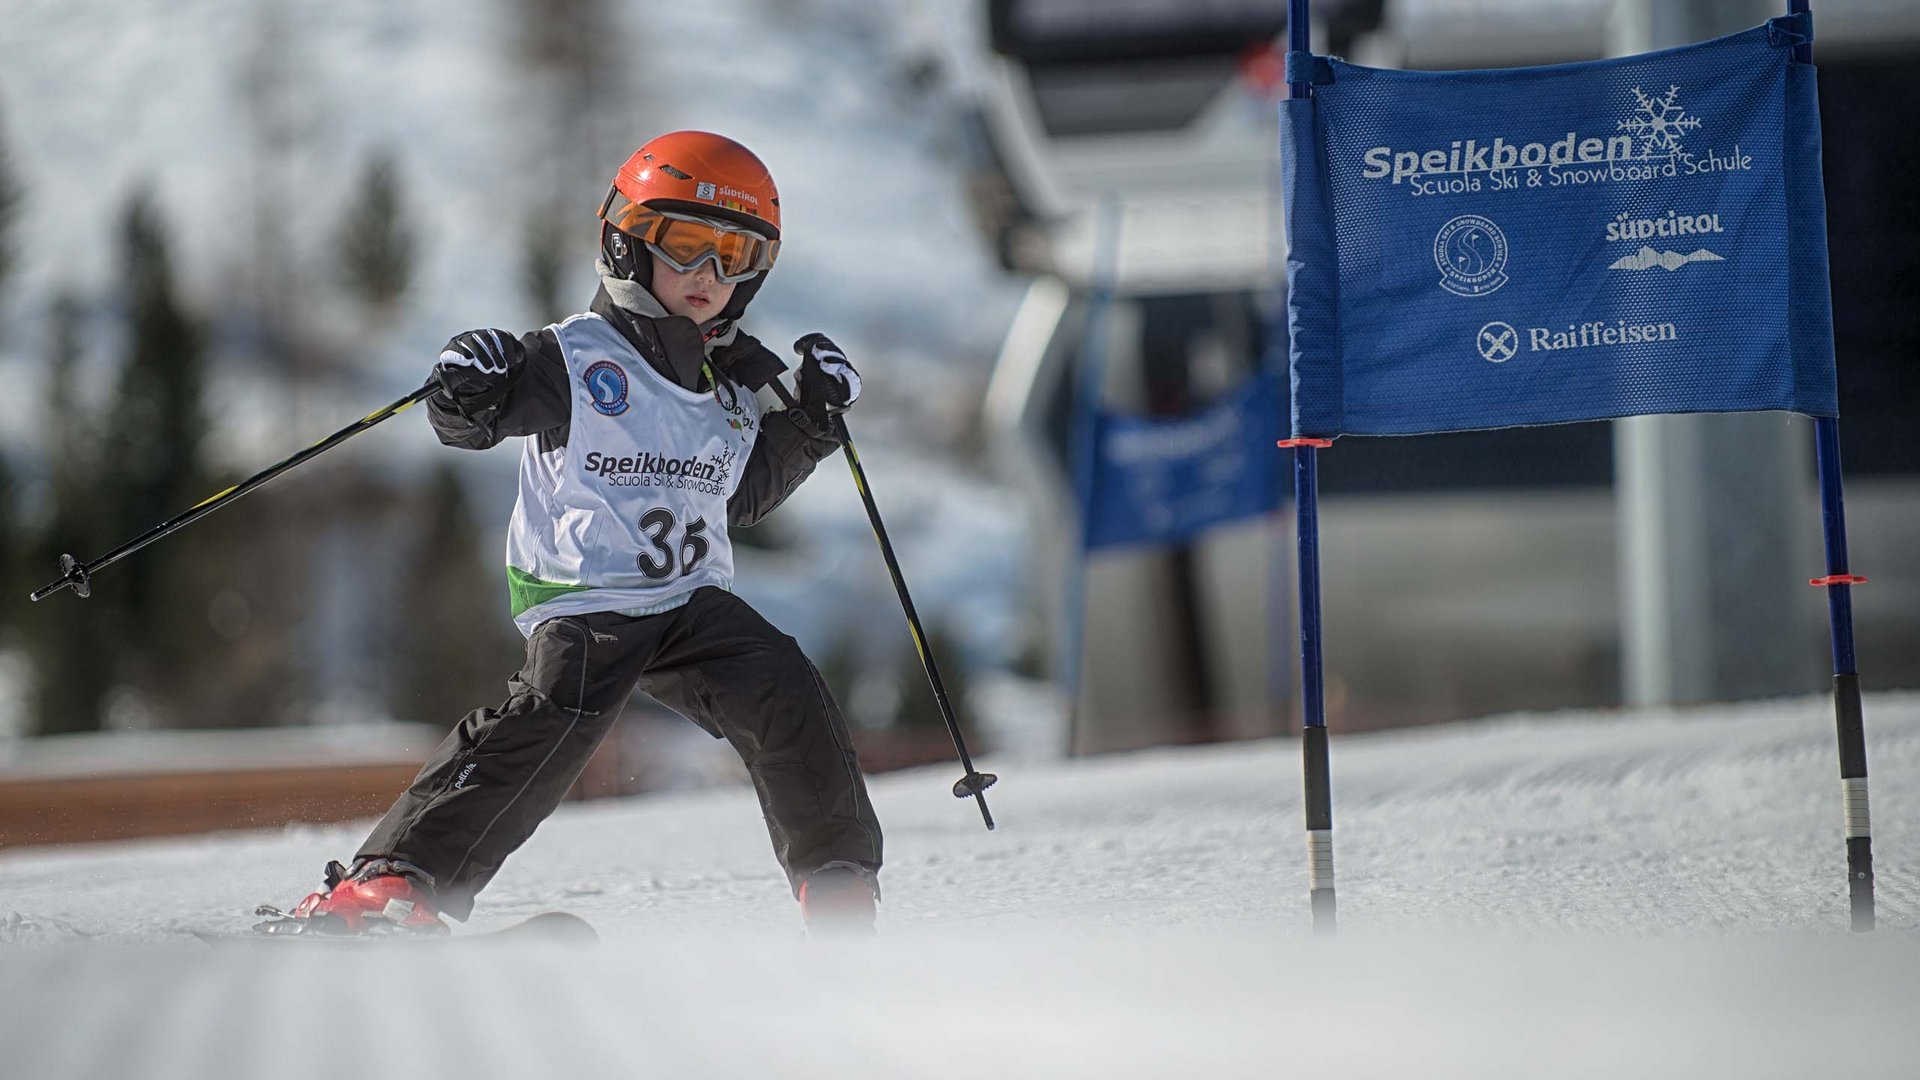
836, 424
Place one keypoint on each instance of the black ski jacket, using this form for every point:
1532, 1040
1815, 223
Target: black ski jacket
539, 403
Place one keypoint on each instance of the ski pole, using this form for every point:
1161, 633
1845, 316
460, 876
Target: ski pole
75, 574
974, 785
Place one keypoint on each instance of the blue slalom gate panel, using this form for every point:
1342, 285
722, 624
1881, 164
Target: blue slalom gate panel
1486, 249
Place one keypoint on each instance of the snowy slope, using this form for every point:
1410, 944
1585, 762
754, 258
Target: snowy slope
1610, 896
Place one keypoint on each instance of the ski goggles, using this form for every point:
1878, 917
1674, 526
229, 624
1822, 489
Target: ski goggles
684, 241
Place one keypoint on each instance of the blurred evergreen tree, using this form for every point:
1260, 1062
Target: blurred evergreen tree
375, 245
839, 667
70, 643
274, 77
456, 644
574, 63
153, 469
12, 568
578, 57
11, 197
543, 272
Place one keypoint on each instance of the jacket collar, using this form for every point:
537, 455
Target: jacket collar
676, 347
671, 343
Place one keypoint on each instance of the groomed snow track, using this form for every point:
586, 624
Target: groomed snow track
1619, 895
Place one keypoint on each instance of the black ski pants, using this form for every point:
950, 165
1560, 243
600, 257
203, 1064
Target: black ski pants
714, 660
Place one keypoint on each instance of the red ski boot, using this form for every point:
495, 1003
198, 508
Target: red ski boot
376, 896
840, 901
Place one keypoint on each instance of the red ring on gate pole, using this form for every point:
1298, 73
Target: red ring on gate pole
1837, 579
1321, 443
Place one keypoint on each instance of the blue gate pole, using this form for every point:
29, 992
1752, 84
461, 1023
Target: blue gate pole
1089, 386
1316, 775
1847, 713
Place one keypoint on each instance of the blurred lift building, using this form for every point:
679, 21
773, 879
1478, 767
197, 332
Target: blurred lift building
1469, 573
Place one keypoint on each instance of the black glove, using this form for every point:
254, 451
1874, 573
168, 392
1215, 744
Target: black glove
828, 382
476, 368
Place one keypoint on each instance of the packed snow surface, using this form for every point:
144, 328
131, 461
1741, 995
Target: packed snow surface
1618, 896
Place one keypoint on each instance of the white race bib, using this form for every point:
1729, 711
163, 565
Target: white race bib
631, 514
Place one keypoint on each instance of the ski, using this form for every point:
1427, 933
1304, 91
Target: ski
560, 927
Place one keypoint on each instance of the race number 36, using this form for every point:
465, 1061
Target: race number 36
658, 525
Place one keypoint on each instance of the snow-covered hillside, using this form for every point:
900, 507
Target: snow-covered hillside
1651, 895
100, 97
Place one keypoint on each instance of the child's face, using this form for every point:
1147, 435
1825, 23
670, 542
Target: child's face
698, 295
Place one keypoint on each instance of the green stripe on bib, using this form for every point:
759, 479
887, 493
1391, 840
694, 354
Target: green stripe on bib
527, 591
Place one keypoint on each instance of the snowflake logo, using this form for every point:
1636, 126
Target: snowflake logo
1658, 122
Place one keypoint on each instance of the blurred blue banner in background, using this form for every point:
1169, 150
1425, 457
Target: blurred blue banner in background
1542, 245
1156, 480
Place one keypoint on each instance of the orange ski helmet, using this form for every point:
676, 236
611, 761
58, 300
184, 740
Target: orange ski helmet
698, 172
693, 176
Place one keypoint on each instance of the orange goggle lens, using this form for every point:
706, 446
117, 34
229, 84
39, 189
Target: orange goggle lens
684, 241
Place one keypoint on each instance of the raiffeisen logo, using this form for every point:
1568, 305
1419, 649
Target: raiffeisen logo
1645, 145
1498, 342
1590, 335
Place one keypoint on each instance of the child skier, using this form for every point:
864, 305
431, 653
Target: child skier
643, 442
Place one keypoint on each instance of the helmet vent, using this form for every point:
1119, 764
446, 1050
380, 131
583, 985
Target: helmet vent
673, 172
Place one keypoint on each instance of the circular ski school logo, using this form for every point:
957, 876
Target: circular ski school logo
607, 382
1471, 253
1497, 342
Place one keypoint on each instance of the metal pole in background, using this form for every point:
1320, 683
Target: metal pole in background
1089, 390
1847, 713
1706, 504
1316, 774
